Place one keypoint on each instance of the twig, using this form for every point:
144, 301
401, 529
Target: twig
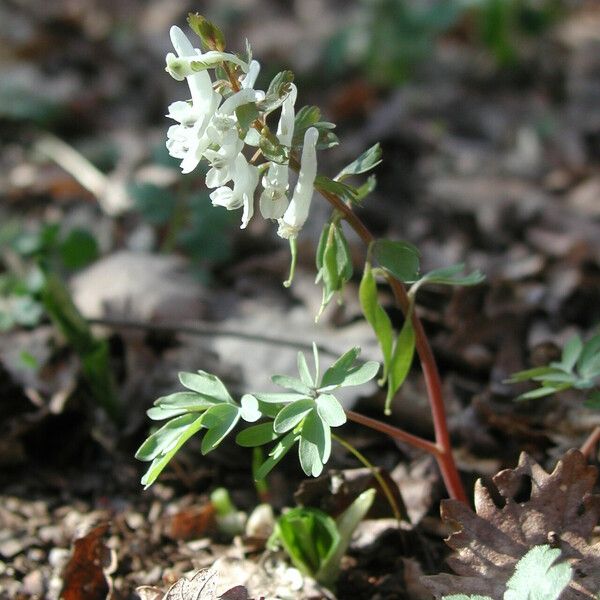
206, 330
110, 194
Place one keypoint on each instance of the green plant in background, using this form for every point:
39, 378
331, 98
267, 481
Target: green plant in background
389, 38
25, 256
32, 287
315, 542
578, 368
537, 576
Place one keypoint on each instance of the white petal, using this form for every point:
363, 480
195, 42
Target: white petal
244, 96
252, 75
285, 129
180, 42
223, 196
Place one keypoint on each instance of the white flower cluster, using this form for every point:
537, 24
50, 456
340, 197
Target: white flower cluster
207, 128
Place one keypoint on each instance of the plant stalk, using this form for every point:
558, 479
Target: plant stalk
442, 450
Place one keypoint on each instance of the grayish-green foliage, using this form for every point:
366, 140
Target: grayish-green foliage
303, 414
578, 367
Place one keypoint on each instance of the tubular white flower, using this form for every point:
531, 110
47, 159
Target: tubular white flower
223, 160
245, 180
188, 140
297, 212
273, 200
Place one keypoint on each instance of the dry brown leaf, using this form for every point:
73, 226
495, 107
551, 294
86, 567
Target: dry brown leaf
202, 586
86, 574
561, 511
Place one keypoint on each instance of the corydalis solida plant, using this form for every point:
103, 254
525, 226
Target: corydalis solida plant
226, 124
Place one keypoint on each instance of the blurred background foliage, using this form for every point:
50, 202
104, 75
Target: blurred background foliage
91, 73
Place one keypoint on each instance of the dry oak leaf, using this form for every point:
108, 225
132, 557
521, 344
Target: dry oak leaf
561, 511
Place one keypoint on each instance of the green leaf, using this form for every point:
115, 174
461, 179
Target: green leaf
330, 410
315, 445
161, 461
537, 577
246, 115
339, 189
272, 149
546, 390
277, 92
257, 435
571, 353
589, 360
402, 358
159, 413
291, 383
401, 259
189, 401
327, 139
163, 439
334, 262
528, 374
362, 191
346, 524
279, 397
450, 276
344, 373
306, 117
365, 162
292, 414
206, 384
304, 371
219, 420
309, 537
78, 249
210, 35
376, 317
279, 451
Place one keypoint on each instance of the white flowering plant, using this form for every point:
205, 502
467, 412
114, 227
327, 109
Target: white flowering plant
225, 123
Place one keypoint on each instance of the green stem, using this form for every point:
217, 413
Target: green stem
385, 488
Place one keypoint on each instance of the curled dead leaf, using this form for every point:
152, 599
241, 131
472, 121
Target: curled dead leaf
561, 511
87, 574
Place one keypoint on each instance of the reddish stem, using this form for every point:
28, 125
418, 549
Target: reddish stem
442, 450
590, 443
